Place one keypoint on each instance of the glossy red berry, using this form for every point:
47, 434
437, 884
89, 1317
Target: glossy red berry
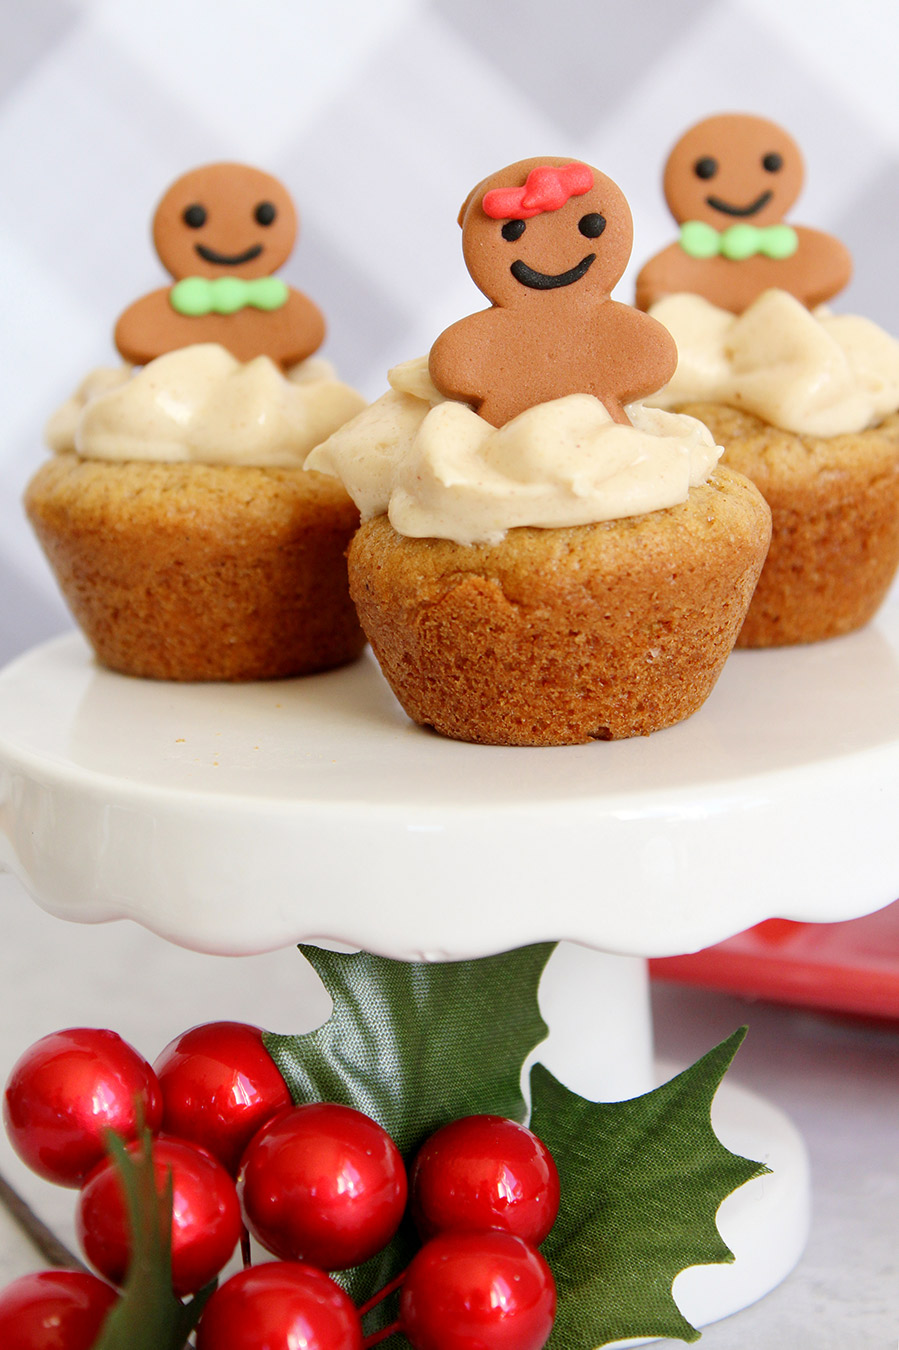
54, 1310
489, 1291
219, 1086
280, 1306
323, 1183
67, 1090
206, 1224
485, 1172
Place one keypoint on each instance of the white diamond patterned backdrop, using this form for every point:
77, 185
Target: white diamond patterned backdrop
379, 117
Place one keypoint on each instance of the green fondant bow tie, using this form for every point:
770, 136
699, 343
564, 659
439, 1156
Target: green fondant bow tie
226, 295
737, 242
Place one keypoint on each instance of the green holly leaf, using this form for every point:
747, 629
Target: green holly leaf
642, 1181
148, 1315
415, 1045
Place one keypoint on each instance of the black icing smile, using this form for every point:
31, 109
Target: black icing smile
228, 259
718, 204
542, 281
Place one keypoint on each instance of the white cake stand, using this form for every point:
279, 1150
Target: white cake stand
238, 819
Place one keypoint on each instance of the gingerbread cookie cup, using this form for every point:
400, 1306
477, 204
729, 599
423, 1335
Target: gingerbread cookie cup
804, 403
200, 572
563, 636
835, 509
184, 533
543, 559
802, 400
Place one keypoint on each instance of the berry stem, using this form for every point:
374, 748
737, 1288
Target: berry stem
54, 1252
377, 1336
381, 1295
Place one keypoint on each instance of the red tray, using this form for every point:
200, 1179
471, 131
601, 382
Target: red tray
845, 967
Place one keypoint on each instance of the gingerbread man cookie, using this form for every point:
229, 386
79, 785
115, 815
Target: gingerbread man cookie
729, 182
546, 240
221, 231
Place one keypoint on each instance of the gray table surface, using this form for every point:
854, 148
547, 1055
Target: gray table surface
838, 1079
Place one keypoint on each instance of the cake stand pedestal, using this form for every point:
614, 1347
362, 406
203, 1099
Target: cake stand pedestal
238, 819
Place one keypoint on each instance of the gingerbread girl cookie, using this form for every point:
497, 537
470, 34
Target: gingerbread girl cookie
546, 240
221, 231
729, 182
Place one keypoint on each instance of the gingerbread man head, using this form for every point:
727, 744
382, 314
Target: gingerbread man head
733, 168
545, 224
224, 220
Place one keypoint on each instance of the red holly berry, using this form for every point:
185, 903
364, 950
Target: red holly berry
485, 1172
67, 1090
492, 1291
54, 1310
323, 1183
280, 1306
219, 1086
206, 1222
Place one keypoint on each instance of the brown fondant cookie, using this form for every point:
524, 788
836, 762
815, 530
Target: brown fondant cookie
221, 231
546, 240
729, 182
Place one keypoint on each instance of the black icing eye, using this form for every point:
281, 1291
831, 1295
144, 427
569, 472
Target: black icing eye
265, 213
706, 167
773, 162
592, 226
195, 216
512, 230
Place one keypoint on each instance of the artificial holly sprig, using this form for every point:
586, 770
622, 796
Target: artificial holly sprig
416, 1045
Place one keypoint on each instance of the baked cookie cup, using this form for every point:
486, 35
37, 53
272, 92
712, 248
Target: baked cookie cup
179, 571
835, 514
563, 636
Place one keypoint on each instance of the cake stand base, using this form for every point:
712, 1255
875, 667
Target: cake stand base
597, 1008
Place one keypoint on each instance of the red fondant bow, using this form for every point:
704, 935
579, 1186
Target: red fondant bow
546, 189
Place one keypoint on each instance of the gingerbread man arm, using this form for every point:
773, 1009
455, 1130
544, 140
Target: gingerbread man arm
150, 327
665, 273
456, 362
824, 266
303, 326
639, 355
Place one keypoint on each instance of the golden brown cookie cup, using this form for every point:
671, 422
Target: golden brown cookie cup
196, 572
558, 637
835, 509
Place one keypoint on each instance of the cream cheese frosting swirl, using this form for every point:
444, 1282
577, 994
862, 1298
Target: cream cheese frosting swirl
439, 470
814, 373
199, 404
